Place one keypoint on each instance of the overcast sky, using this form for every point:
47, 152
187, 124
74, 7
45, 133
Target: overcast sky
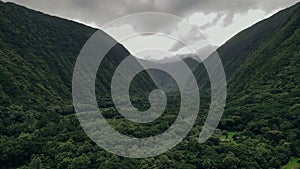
219, 20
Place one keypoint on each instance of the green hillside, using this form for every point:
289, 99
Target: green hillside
264, 94
37, 57
242, 46
38, 54
38, 128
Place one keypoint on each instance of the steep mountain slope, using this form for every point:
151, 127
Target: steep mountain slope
242, 46
262, 65
37, 58
265, 91
38, 53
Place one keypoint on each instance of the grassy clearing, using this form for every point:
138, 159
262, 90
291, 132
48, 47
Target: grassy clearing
293, 164
230, 137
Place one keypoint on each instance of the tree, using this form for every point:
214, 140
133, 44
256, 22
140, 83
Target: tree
36, 163
231, 161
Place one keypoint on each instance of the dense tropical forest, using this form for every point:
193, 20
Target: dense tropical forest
38, 127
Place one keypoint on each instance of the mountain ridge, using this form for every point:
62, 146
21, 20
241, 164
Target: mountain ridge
241, 46
47, 55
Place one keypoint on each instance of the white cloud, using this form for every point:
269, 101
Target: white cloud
218, 19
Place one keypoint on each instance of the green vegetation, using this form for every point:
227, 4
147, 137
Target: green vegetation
230, 136
294, 163
38, 128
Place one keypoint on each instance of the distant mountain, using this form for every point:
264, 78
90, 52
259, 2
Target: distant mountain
193, 61
204, 53
163, 80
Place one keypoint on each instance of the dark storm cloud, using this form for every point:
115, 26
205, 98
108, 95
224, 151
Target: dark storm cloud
100, 12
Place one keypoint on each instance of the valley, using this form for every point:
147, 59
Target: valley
39, 128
